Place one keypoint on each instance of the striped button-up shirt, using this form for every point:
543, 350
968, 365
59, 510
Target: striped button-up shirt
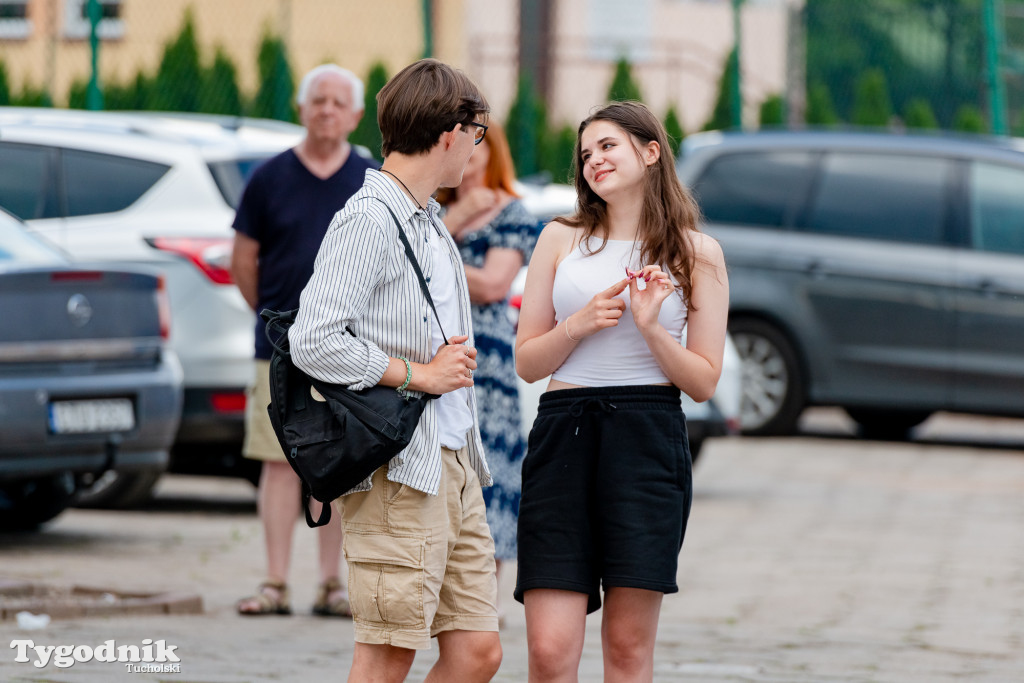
362, 281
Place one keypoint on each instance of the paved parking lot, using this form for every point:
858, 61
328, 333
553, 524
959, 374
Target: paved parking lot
819, 558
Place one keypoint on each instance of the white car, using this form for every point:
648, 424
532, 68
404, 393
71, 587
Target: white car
157, 191
719, 416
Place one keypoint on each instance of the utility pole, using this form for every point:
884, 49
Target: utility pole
94, 96
795, 101
737, 84
428, 28
993, 48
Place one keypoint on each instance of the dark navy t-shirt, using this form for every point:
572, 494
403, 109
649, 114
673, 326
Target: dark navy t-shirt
287, 210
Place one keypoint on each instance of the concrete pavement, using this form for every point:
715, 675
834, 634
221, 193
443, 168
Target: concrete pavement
807, 559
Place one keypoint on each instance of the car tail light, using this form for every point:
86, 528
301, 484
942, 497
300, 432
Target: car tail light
228, 402
163, 306
77, 276
212, 255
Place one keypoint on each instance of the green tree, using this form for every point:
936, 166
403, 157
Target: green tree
526, 126
218, 89
275, 96
820, 110
31, 96
179, 75
919, 114
5, 85
367, 133
771, 111
721, 115
78, 93
623, 87
557, 153
871, 105
1018, 126
136, 94
674, 128
930, 48
969, 119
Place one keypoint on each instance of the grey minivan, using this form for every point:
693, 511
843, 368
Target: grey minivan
882, 273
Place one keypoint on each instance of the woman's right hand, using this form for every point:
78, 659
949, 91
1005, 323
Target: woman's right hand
468, 207
602, 311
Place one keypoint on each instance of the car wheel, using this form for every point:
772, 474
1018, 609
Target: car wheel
772, 382
887, 425
24, 505
118, 489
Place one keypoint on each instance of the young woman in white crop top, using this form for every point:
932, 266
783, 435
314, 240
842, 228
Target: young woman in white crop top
607, 480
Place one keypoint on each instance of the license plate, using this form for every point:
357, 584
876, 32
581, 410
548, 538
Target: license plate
79, 417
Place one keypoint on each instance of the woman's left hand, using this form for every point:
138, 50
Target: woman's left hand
645, 304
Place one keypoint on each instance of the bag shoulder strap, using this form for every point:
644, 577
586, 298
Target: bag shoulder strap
416, 267
278, 322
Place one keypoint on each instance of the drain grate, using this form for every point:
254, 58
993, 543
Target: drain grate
70, 602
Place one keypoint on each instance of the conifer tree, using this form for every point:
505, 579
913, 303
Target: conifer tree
557, 154
5, 85
179, 74
367, 133
771, 111
871, 103
722, 115
219, 93
820, 109
969, 119
623, 87
275, 96
674, 128
526, 126
919, 114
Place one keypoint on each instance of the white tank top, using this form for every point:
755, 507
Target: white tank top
615, 355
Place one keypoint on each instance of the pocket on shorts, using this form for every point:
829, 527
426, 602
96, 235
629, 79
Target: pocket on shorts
386, 577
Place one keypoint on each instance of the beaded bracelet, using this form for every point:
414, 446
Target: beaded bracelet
408, 375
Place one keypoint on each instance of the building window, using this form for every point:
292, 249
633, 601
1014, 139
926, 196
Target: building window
76, 19
14, 21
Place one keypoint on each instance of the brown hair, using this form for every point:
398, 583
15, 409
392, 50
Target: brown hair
422, 101
500, 173
669, 215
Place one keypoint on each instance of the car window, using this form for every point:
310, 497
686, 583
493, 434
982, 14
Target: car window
232, 175
760, 188
26, 187
881, 196
16, 244
997, 208
103, 183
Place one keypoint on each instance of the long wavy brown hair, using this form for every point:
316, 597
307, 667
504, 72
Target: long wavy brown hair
669, 216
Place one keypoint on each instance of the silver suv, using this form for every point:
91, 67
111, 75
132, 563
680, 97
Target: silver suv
880, 273
157, 191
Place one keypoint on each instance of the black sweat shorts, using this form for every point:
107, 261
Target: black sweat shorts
607, 488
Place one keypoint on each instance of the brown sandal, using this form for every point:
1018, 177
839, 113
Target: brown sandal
271, 598
324, 607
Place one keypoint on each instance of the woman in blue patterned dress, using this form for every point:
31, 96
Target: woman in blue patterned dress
495, 235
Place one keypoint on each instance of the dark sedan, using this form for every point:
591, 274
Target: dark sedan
86, 381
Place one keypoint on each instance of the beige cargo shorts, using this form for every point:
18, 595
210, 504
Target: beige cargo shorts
419, 564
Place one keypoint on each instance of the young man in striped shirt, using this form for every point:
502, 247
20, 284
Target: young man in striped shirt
420, 554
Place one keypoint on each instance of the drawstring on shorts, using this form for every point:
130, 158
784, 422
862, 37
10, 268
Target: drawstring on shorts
591, 404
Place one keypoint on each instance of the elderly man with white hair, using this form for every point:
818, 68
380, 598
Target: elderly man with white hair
281, 221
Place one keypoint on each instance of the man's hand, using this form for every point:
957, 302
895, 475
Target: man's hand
450, 369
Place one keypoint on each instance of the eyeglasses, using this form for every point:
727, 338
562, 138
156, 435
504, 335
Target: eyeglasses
479, 133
